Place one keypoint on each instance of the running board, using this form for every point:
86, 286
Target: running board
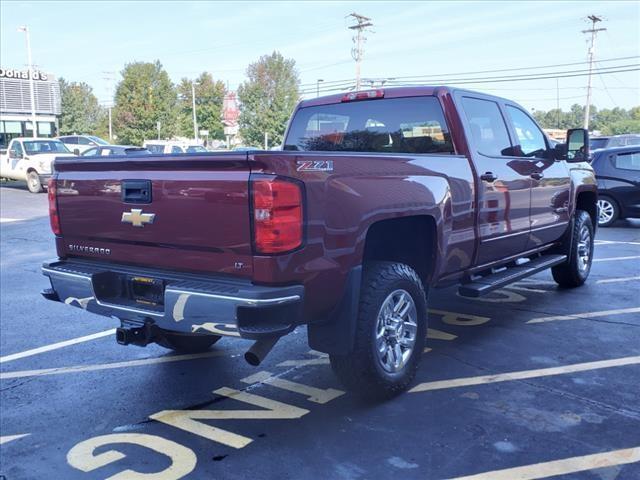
489, 283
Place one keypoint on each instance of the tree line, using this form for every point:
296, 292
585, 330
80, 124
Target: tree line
146, 98
613, 121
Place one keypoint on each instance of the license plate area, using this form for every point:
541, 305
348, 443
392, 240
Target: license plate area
129, 290
146, 290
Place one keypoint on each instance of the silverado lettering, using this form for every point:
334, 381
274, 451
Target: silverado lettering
376, 197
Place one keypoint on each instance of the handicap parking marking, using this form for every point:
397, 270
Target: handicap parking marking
109, 366
55, 346
10, 438
561, 467
586, 315
524, 374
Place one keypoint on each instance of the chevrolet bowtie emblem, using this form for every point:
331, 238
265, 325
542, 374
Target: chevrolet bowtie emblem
136, 218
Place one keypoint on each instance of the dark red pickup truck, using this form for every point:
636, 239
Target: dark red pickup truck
376, 197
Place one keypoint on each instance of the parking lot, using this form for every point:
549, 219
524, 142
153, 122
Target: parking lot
529, 382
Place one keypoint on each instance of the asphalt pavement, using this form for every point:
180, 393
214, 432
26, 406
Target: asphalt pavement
531, 382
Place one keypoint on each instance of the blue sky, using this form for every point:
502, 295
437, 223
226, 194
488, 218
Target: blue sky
80, 40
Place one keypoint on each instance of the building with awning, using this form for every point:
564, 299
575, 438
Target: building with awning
15, 104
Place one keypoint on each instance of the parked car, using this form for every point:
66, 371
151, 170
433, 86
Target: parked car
602, 142
618, 174
376, 197
171, 146
79, 143
31, 159
105, 151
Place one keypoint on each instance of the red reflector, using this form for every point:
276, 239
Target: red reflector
277, 215
368, 95
54, 218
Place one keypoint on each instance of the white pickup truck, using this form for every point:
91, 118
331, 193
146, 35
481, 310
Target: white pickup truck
31, 159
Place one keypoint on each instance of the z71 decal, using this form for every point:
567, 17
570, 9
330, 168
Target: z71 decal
314, 165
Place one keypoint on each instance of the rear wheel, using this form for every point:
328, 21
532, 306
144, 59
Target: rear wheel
187, 342
608, 211
575, 270
390, 332
33, 182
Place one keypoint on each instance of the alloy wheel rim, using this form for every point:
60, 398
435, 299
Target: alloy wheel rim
584, 249
396, 330
605, 211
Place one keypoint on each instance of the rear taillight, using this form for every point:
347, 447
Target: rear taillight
54, 218
277, 215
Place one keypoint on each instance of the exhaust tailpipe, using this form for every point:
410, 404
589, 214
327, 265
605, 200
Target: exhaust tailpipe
259, 350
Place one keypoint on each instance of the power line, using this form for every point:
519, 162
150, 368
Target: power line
498, 70
489, 80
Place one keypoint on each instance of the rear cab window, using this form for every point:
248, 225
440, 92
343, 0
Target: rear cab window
488, 127
394, 125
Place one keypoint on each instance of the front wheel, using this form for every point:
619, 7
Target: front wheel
607, 211
187, 342
33, 182
575, 270
390, 332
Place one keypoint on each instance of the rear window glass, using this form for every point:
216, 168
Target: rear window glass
395, 125
628, 161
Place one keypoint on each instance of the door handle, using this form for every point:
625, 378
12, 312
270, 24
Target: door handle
537, 176
489, 177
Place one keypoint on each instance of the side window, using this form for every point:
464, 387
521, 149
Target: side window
530, 138
84, 141
105, 152
92, 152
487, 126
17, 148
71, 140
627, 161
176, 149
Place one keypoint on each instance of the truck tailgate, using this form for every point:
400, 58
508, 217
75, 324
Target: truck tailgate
196, 216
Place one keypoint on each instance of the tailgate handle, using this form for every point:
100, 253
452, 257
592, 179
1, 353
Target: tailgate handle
136, 191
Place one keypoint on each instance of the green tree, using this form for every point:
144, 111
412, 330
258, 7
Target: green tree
144, 97
209, 97
267, 99
81, 112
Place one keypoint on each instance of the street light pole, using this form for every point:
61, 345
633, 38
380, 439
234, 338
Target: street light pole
34, 125
318, 82
195, 122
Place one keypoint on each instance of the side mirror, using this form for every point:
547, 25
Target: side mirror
76, 151
577, 145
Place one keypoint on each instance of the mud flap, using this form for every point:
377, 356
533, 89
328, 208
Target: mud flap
336, 334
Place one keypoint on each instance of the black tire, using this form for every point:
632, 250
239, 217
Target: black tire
362, 371
187, 342
608, 211
575, 271
33, 182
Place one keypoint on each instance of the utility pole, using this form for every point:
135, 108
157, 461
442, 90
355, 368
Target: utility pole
110, 77
318, 82
593, 31
357, 51
34, 125
195, 121
558, 103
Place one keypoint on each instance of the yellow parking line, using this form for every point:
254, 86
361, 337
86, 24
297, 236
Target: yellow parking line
561, 467
108, 366
580, 316
54, 346
542, 372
